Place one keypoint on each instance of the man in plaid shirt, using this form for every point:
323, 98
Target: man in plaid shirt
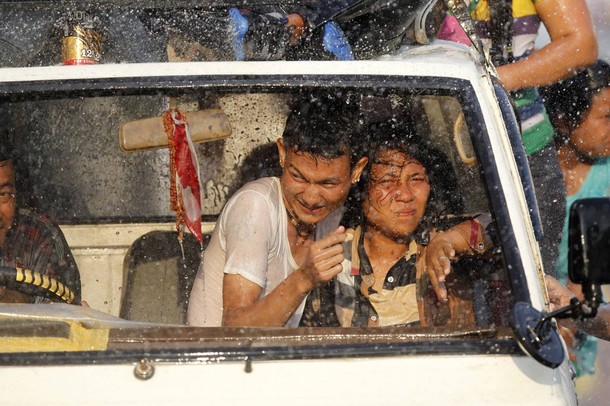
30, 240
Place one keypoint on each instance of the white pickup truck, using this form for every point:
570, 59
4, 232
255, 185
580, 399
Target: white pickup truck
83, 159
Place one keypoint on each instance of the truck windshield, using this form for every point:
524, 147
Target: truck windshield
92, 151
85, 163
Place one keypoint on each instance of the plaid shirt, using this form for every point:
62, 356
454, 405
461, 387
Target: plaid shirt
348, 300
35, 242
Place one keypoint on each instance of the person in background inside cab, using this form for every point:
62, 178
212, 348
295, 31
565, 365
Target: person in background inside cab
278, 238
402, 238
509, 28
580, 110
30, 240
270, 35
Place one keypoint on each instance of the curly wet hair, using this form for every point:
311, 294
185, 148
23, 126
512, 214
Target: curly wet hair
394, 135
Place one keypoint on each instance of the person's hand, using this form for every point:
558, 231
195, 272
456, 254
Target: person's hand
324, 258
439, 253
559, 295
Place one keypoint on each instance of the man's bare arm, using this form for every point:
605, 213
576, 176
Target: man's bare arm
241, 303
573, 45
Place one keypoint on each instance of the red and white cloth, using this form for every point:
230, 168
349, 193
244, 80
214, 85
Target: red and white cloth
187, 178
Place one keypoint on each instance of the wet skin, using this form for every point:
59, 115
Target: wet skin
312, 186
398, 194
592, 137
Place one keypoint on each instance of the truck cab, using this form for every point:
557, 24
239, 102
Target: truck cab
91, 153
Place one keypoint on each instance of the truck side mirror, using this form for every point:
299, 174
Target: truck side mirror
589, 242
589, 248
588, 265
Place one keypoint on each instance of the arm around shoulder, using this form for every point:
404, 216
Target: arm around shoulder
463, 239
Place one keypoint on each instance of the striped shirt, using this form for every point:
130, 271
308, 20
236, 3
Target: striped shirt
536, 128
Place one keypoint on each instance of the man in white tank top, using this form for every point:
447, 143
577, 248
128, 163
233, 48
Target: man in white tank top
277, 238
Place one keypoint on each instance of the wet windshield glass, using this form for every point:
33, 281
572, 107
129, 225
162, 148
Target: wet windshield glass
92, 151
85, 162
82, 33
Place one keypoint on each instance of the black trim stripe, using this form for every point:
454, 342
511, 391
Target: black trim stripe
450, 346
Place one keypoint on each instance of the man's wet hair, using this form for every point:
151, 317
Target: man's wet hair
325, 129
569, 100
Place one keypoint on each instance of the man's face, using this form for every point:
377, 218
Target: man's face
314, 187
398, 194
7, 208
592, 137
